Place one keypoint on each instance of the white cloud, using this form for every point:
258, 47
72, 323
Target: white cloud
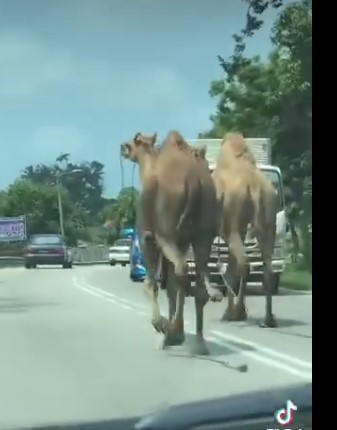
50, 141
31, 70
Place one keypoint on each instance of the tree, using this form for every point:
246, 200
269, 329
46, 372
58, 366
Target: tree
39, 203
127, 201
122, 211
85, 185
3, 201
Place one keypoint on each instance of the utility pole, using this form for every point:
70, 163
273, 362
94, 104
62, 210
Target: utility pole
59, 196
59, 201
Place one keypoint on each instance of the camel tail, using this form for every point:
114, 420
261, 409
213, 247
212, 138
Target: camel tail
264, 210
188, 208
255, 195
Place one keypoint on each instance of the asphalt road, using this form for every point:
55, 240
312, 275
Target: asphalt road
77, 345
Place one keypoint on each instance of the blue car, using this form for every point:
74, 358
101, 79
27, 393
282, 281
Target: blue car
137, 264
127, 233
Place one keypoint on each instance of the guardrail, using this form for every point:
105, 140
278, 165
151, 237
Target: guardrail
90, 254
80, 256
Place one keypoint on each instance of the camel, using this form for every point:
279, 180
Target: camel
199, 154
177, 209
246, 197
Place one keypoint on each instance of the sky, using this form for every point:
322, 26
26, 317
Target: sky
83, 76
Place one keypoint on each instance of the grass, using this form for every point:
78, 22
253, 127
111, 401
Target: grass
296, 279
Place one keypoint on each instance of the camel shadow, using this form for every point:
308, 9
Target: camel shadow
218, 352
258, 290
282, 323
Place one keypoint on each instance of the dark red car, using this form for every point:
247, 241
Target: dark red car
47, 249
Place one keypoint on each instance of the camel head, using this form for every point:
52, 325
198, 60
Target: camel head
139, 145
199, 153
234, 146
234, 143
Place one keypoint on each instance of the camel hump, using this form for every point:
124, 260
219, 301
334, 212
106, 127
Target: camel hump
175, 139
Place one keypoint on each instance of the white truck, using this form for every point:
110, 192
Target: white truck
261, 148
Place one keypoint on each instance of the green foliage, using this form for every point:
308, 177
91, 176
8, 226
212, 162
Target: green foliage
296, 279
84, 181
39, 203
121, 212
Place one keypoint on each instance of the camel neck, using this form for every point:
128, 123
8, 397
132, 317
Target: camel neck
146, 165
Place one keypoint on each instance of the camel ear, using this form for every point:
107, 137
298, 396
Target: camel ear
137, 140
154, 139
202, 151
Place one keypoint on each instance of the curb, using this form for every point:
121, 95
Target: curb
294, 291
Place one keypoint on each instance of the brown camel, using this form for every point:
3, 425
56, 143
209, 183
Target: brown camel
177, 206
246, 197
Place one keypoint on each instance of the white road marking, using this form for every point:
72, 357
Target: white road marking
268, 351
92, 292
257, 356
122, 305
261, 354
111, 295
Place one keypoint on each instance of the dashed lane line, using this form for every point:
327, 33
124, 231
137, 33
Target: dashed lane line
257, 352
108, 295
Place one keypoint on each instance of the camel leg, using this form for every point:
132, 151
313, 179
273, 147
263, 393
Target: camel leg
172, 336
176, 284
231, 280
152, 254
202, 249
145, 212
236, 271
171, 290
266, 240
240, 307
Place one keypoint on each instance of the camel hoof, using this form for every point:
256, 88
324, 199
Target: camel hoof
243, 368
236, 313
240, 313
199, 347
269, 322
174, 339
161, 324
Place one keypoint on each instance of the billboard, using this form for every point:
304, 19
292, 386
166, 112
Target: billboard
13, 229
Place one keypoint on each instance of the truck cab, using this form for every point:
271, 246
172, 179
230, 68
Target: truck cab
261, 149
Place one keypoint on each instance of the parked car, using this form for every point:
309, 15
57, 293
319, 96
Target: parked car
137, 264
47, 249
119, 252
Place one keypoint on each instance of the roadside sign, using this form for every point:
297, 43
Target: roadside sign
13, 229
